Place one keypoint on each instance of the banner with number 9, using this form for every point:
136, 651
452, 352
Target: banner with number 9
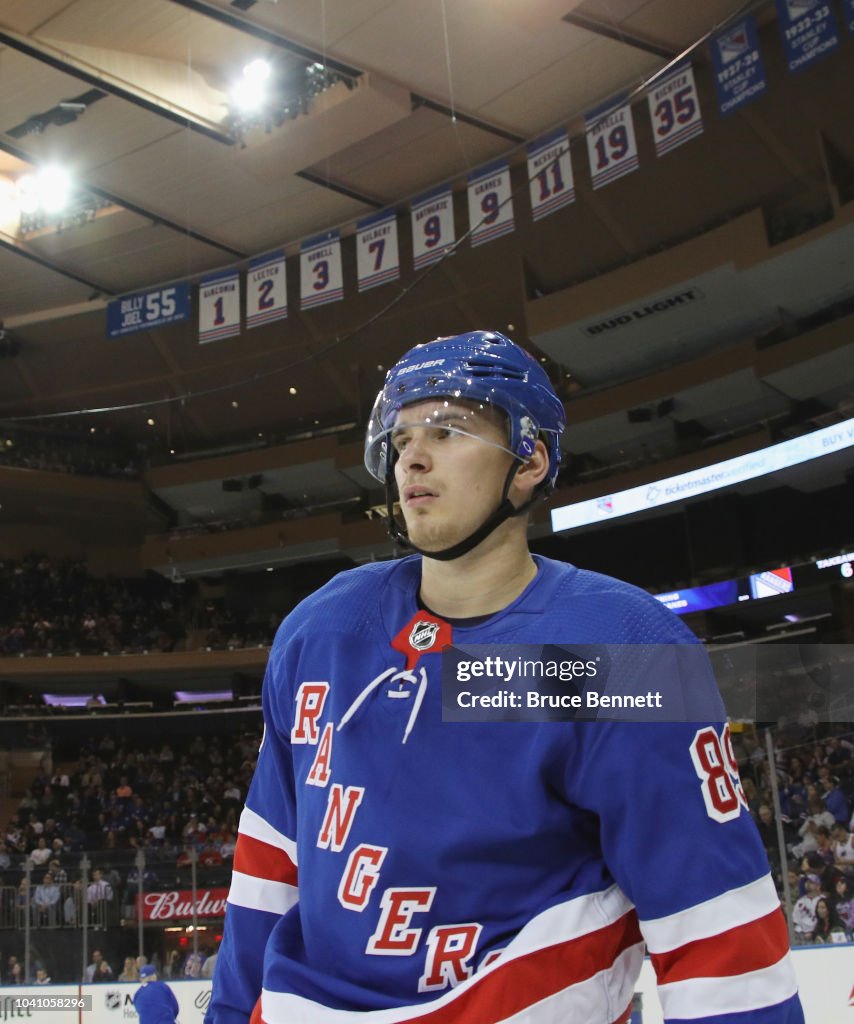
432, 226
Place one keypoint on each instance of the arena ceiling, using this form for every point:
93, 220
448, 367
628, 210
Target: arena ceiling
135, 100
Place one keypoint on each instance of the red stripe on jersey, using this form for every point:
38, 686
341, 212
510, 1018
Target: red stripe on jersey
254, 857
528, 979
748, 947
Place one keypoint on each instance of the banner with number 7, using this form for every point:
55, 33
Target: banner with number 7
674, 109
377, 253
611, 144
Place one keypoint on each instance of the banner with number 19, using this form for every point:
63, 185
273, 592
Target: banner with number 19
611, 143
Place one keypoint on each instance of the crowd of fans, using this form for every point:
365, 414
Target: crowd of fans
815, 781
118, 800
69, 452
55, 606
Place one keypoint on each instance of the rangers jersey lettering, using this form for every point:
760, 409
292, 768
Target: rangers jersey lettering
486, 872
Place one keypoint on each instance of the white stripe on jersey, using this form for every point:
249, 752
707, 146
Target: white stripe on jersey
253, 825
261, 894
707, 997
729, 910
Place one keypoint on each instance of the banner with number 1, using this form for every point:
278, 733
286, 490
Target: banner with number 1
674, 109
611, 143
219, 306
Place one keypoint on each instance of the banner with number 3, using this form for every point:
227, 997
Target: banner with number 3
321, 280
611, 144
674, 109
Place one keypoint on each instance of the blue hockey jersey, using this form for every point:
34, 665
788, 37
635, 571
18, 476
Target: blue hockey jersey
493, 871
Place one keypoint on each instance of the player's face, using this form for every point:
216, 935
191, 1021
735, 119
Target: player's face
449, 482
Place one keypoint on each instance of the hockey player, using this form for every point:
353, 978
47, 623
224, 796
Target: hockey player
154, 1001
473, 873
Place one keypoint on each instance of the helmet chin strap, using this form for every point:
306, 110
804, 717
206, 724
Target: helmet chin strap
506, 510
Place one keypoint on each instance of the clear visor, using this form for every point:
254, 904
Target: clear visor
391, 429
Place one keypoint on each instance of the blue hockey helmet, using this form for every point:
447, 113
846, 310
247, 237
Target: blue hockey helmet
480, 366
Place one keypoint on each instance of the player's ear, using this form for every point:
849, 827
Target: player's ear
530, 473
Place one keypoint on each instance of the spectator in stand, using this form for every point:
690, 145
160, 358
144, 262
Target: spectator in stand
824, 923
103, 974
843, 847
98, 967
60, 875
72, 908
209, 857
824, 848
41, 853
46, 901
835, 800
130, 971
193, 965
817, 816
804, 913
768, 833
14, 972
843, 904
42, 977
172, 966
98, 896
5, 858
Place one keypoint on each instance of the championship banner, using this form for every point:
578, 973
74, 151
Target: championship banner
219, 306
377, 252
266, 290
809, 31
321, 280
611, 144
550, 173
738, 65
432, 226
490, 198
144, 311
674, 108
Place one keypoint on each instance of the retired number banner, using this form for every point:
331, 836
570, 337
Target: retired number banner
266, 290
377, 253
219, 306
611, 143
809, 31
490, 203
321, 280
550, 174
432, 226
738, 64
674, 109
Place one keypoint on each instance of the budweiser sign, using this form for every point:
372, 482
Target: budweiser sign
168, 906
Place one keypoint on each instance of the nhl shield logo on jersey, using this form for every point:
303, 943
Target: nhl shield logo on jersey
423, 635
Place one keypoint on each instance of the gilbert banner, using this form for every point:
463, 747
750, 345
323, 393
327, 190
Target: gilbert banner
178, 904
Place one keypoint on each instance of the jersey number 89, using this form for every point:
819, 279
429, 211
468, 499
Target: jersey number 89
717, 770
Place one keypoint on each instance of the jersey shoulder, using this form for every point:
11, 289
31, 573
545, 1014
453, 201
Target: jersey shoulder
349, 602
631, 615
